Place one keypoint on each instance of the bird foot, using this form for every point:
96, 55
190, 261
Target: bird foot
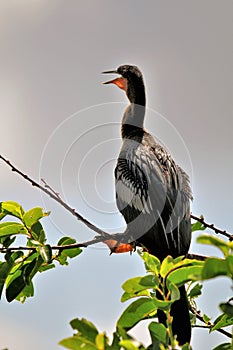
118, 247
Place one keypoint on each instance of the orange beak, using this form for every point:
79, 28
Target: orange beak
120, 82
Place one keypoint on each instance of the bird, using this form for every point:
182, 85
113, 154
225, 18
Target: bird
152, 191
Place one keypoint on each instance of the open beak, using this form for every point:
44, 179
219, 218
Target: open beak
120, 82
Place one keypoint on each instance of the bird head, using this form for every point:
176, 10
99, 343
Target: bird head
130, 80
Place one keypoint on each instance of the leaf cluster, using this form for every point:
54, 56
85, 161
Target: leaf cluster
157, 290
18, 268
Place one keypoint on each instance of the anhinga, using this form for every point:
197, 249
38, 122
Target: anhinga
152, 191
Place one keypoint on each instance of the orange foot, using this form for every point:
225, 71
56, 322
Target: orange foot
116, 247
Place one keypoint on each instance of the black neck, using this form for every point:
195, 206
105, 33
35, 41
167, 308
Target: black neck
133, 118
131, 132
136, 93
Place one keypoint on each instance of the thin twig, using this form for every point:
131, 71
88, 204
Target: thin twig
198, 315
57, 199
212, 227
99, 239
57, 247
46, 185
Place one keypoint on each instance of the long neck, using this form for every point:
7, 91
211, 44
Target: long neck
133, 118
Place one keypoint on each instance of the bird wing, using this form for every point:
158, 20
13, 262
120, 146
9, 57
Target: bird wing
149, 183
136, 172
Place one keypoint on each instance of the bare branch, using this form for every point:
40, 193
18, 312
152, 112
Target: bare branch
57, 198
212, 227
46, 185
199, 316
99, 239
58, 247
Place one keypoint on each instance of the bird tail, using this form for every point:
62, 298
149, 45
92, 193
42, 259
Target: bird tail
181, 326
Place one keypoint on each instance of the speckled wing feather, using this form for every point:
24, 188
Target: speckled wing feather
152, 192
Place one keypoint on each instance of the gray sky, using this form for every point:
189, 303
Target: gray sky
60, 123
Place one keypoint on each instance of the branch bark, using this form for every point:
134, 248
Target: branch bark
199, 316
57, 198
212, 227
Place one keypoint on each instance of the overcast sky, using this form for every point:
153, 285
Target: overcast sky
60, 123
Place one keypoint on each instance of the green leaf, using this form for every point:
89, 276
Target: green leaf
186, 347
137, 311
46, 253
12, 208
222, 321
28, 270
193, 319
2, 213
31, 266
167, 265
227, 308
5, 267
115, 342
206, 318
27, 292
72, 253
101, 341
215, 241
158, 333
223, 346
7, 241
11, 228
185, 274
67, 253
32, 216
18, 282
214, 267
180, 259
44, 268
38, 233
14, 256
126, 296
152, 264
195, 291
123, 334
66, 240
128, 344
173, 289
229, 260
197, 226
85, 328
136, 284
77, 343
15, 288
